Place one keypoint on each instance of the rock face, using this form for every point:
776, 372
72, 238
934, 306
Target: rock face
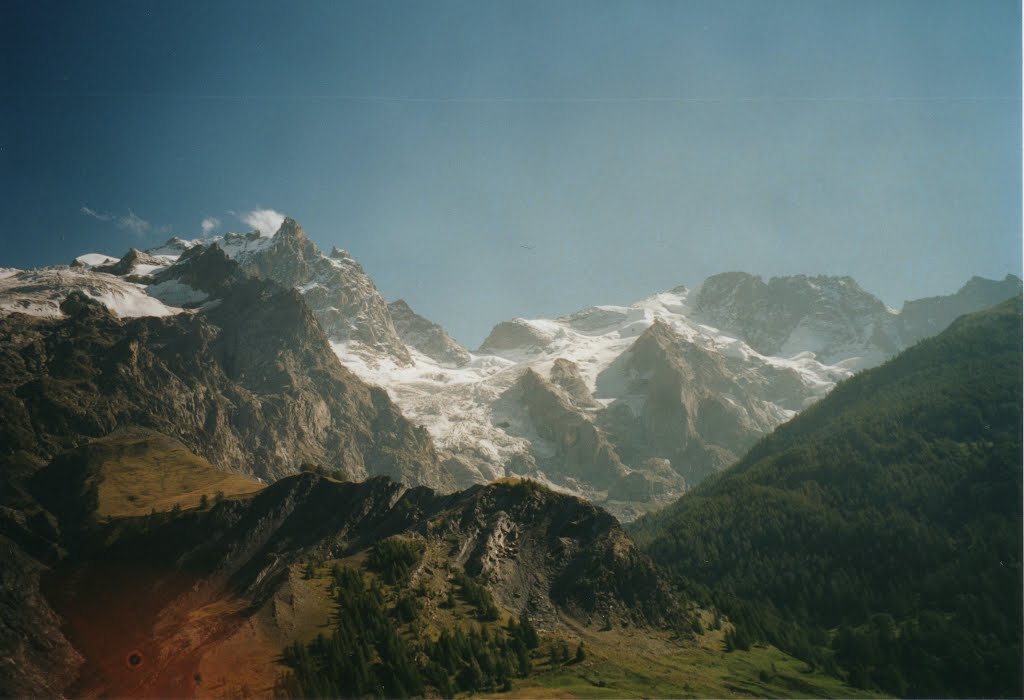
566, 375
38, 660
249, 382
133, 262
830, 316
341, 295
581, 450
541, 551
516, 334
426, 336
682, 403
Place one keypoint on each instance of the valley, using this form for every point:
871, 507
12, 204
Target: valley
209, 476
511, 349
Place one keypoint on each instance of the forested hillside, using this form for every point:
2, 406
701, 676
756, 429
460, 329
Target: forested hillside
879, 532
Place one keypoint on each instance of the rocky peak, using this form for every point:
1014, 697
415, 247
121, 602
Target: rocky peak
175, 245
81, 306
341, 295
205, 268
659, 333
981, 292
426, 336
832, 317
126, 265
581, 449
566, 375
517, 334
682, 403
290, 229
340, 254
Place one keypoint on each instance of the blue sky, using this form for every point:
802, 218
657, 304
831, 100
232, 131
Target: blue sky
485, 160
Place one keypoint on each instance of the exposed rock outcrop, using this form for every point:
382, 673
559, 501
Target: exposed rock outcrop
581, 449
923, 318
566, 375
512, 335
833, 317
829, 316
130, 261
426, 336
37, 661
683, 404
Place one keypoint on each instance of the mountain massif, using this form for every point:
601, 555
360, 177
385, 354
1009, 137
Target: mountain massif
246, 380
661, 393
627, 406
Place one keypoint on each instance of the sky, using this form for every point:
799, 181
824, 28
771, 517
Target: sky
485, 160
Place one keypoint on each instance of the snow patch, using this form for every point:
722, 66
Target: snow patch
40, 292
131, 303
95, 259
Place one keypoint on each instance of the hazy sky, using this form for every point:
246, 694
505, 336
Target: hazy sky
486, 160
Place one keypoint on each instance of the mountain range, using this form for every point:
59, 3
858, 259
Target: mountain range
627, 406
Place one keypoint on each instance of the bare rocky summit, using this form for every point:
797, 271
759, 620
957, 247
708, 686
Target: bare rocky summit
340, 294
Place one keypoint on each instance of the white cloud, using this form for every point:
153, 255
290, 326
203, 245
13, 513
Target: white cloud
266, 221
210, 224
129, 222
133, 223
101, 215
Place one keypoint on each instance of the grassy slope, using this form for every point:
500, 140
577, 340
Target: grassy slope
248, 661
645, 663
140, 471
631, 662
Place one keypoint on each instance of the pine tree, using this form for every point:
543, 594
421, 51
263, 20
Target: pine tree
529, 632
563, 651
